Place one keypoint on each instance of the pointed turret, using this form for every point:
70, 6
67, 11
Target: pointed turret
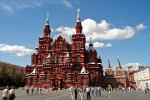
109, 66
78, 15
34, 71
109, 71
83, 71
47, 29
78, 23
118, 65
91, 45
49, 56
36, 51
67, 55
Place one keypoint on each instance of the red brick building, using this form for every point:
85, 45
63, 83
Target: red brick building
118, 77
11, 69
63, 61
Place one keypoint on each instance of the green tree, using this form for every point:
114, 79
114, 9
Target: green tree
7, 79
19, 80
1, 81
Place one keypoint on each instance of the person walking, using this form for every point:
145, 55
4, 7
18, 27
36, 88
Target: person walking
76, 93
71, 92
88, 90
81, 92
12, 95
32, 91
99, 91
5, 93
27, 90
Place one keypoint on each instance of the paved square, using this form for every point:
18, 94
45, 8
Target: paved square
64, 95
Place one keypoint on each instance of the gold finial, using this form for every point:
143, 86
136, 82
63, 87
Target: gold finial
78, 15
90, 40
47, 18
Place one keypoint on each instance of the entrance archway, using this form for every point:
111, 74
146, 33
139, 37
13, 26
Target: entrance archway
120, 86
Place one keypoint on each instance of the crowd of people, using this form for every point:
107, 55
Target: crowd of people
8, 93
36, 90
83, 92
76, 92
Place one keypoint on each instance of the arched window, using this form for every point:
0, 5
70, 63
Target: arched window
60, 46
78, 58
42, 58
55, 59
59, 60
78, 45
46, 77
37, 78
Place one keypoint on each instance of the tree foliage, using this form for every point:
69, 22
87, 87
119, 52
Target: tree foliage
17, 80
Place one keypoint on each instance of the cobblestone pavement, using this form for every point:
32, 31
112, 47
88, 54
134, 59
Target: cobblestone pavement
64, 95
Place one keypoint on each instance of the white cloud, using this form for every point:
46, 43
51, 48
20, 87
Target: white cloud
15, 49
65, 30
98, 44
6, 7
103, 31
140, 26
14, 5
67, 3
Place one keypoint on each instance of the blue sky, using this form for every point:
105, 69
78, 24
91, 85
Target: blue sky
117, 27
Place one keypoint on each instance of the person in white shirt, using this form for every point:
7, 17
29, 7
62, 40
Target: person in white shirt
88, 90
12, 95
5, 93
71, 92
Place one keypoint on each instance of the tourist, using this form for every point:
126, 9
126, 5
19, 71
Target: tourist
71, 92
5, 93
99, 91
12, 95
109, 90
129, 89
81, 92
92, 91
40, 90
27, 90
32, 91
88, 90
95, 91
37, 91
76, 92
46, 90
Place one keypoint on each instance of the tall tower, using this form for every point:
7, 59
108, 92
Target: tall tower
78, 23
78, 44
45, 42
92, 54
47, 29
109, 66
118, 70
109, 71
118, 65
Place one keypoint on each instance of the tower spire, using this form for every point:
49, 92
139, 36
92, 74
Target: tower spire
47, 18
118, 63
78, 15
91, 43
78, 23
47, 29
109, 66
